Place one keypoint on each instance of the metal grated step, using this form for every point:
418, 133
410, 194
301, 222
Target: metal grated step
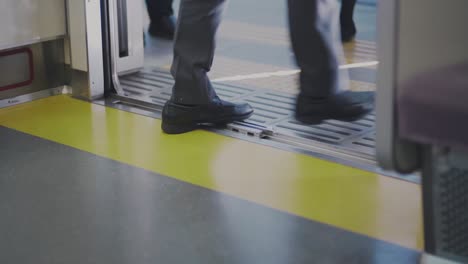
273, 115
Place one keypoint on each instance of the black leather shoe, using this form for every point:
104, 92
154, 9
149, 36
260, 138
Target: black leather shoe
163, 28
345, 106
177, 118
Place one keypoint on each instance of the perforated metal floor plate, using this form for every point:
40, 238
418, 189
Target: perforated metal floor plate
273, 117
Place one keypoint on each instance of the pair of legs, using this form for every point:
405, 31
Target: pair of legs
161, 13
162, 18
314, 29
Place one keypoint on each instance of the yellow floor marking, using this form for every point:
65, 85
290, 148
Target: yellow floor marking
355, 200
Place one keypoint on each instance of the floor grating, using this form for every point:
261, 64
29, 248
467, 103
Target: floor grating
273, 114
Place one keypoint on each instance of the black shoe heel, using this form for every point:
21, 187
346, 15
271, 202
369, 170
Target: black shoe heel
177, 128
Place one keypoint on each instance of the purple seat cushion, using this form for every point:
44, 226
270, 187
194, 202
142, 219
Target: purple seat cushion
433, 107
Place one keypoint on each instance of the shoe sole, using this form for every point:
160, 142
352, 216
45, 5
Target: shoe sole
180, 128
174, 129
317, 120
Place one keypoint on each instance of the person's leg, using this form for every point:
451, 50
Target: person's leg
317, 49
314, 46
193, 99
348, 27
194, 47
161, 16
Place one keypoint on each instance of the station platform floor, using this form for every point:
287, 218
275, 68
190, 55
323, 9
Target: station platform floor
253, 46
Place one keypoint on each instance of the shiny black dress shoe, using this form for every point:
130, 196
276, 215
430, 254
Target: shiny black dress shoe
163, 27
177, 118
345, 106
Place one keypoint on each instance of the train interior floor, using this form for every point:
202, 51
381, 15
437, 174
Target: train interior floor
81, 181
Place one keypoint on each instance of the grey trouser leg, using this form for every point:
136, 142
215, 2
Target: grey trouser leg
194, 47
315, 37
314, 26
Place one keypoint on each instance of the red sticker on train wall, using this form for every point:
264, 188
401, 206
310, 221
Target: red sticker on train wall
26, 81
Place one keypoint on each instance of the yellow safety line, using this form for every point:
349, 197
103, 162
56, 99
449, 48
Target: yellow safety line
344, 197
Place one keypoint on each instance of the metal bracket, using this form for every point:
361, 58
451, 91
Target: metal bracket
34, 96
250, 129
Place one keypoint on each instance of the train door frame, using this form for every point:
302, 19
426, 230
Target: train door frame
85, 49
